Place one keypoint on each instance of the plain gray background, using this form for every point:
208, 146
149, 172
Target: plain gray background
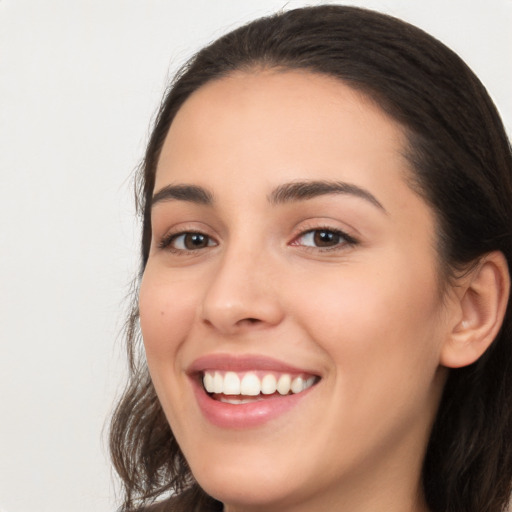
79, 83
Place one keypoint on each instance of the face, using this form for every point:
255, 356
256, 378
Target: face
290, 306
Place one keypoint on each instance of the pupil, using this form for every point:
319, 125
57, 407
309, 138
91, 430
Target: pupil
195, 241
326, 238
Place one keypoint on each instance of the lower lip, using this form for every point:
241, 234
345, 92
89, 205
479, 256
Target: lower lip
242, 416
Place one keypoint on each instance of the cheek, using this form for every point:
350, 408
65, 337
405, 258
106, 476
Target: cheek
167, 310
381, 335
375, 320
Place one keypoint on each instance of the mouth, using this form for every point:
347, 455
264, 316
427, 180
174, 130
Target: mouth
240, 392
238, 388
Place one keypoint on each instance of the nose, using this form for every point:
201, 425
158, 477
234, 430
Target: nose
243, 294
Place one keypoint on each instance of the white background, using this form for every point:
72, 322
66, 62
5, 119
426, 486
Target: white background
79, 83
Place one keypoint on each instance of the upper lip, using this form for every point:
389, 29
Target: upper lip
243, 363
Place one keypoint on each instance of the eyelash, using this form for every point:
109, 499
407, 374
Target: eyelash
347, 240
167, 241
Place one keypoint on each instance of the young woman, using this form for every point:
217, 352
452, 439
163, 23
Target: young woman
323, 302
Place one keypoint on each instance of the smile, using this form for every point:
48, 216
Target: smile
250, 386
239, 392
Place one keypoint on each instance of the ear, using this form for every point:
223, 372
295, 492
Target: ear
482, 297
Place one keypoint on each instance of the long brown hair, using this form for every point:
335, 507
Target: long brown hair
462, 166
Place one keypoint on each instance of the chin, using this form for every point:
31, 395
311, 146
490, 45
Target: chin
254, 486
246, 493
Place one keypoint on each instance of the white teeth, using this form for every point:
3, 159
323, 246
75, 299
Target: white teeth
218, 383
231, 384
297, 385
269, 384
250, 385
208, 382
237, 401
284, 384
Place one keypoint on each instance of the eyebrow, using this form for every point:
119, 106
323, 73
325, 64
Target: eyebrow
301, 190
286, 193
190, 193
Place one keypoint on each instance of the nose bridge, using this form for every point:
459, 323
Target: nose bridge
241, 292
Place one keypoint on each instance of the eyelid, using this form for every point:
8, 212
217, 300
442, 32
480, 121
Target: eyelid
171, 240
165, 241
348, 240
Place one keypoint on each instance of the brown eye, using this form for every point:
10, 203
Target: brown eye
193, 241
324, 238
189, 242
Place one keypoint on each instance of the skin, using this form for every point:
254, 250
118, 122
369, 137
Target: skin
366, 317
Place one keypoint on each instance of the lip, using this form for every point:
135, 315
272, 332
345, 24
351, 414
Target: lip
248, 415
243, 363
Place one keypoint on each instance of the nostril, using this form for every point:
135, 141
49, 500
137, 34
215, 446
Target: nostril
249, 321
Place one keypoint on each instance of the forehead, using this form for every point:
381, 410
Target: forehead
258, 129
291, 120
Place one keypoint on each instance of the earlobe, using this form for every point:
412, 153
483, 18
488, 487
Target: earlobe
483, 298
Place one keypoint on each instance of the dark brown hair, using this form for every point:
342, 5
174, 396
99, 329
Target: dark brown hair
461, 165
